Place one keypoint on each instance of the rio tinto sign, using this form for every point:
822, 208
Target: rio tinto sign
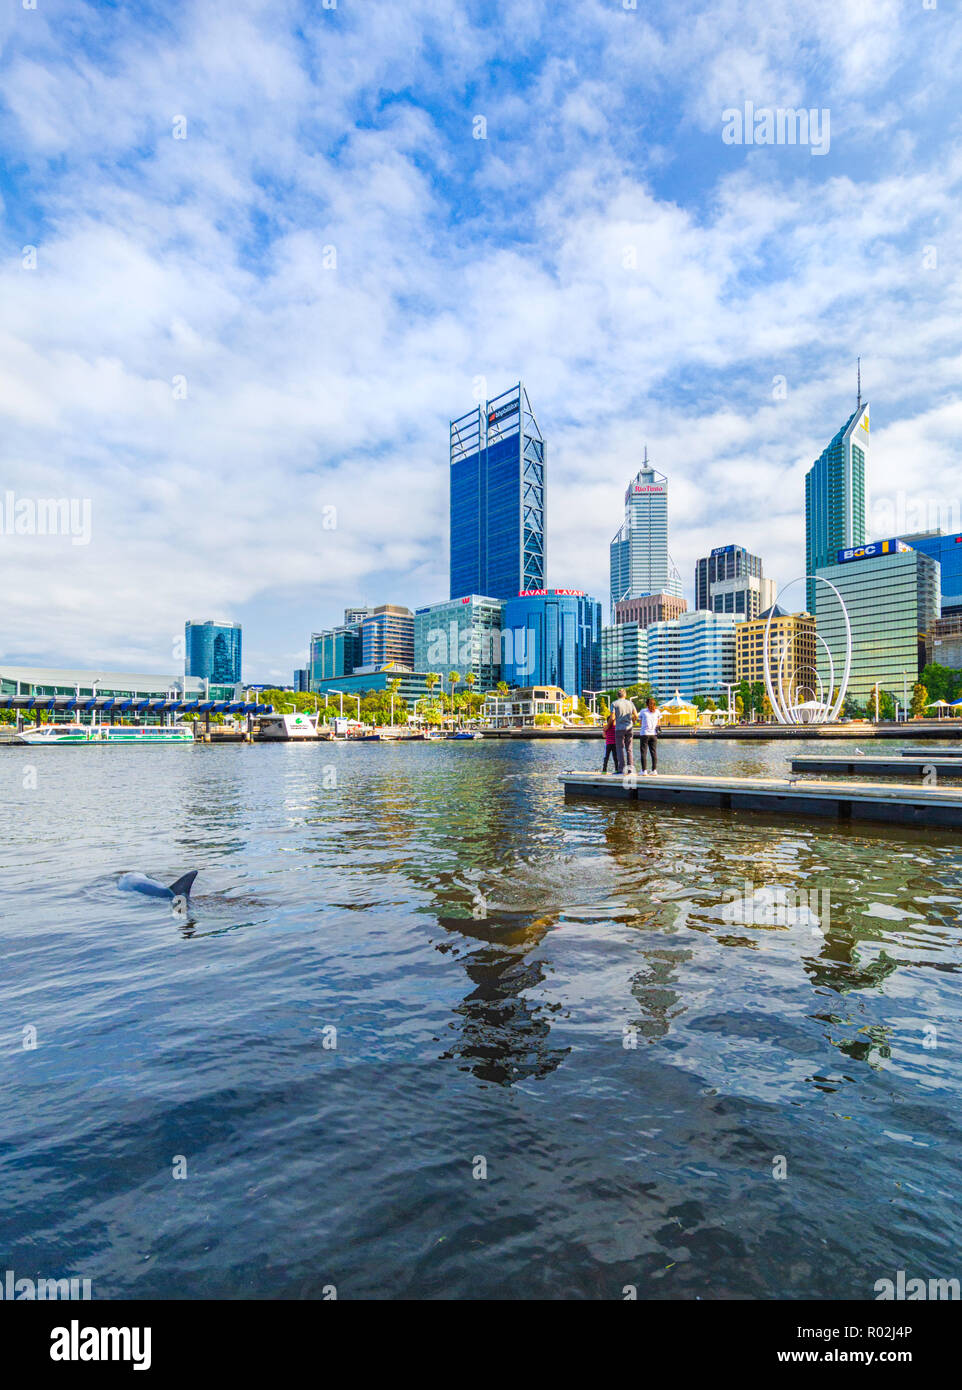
647, 487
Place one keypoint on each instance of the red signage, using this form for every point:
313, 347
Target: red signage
543, 593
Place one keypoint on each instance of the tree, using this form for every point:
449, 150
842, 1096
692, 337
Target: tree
920, 698
502, 687
851, 708
453, 678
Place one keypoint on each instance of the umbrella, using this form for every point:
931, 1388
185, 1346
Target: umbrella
678, 703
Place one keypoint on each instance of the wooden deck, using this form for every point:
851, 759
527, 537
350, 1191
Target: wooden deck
849, 801
907, 768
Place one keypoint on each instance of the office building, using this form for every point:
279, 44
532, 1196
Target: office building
302, 679
412, 685
498, 488
948, 551
730, 580
212, 651
335, 652
691, 655
649, 608
624, 655
891, 593
792, 657
553, 637
835, 497
387, 634
463, 635
638, 557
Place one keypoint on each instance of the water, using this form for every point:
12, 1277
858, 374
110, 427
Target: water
484, 952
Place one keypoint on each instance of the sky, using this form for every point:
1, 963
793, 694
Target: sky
258, 254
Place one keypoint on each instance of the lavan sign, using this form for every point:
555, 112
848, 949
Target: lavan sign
869, 552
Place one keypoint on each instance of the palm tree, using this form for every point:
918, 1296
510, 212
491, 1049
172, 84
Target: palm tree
454, 677
431, 680
469, 681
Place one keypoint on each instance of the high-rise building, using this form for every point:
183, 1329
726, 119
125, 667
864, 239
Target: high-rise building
463, 635
624, 655
692, 655
335, 652
553, 637
948, 551
353, 617
302, 678
387, 634
212, 651
650, 608
731, 580
891, 593
498, 488
639, 559
835, 497
791, 652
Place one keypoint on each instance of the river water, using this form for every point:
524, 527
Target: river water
429, 1031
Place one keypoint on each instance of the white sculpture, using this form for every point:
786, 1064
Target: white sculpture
786, 710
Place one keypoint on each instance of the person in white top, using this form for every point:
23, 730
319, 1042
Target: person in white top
650, 716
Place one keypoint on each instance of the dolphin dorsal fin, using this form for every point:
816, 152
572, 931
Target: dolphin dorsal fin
184, 884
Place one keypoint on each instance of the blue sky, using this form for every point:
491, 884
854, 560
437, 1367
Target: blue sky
651, 284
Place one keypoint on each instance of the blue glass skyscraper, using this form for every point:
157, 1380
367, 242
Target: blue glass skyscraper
835, 497
497, 473
553, 638
948, 551
212, 651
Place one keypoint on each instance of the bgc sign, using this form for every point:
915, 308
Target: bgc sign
870, 551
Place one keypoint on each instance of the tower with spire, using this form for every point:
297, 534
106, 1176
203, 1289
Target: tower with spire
835, 494
639, 559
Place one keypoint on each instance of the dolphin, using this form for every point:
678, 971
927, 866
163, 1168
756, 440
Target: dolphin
177, 892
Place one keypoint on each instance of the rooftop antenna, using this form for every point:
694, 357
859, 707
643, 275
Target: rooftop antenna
645, 459
858, 404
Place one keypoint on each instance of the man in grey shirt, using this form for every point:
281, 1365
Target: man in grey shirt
626, 717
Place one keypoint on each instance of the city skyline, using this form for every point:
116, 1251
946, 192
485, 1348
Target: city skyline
167, 280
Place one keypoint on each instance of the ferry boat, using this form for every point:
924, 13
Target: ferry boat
286, 726
107, 733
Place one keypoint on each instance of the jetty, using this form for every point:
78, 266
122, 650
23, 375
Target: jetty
870, 765
843, 801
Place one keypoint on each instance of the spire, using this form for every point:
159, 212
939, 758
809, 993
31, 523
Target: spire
858, 403
645, 459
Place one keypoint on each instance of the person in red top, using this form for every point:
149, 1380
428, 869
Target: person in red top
609, 742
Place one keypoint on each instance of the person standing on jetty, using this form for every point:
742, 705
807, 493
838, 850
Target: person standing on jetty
650, 716
626, 717
610, 750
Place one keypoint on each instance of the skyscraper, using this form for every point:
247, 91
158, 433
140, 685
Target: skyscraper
835, 496
639, 558
498, 482
730, 580
554, 638
212, 651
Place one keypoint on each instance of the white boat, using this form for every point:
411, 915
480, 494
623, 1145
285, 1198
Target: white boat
107, 733
286, 726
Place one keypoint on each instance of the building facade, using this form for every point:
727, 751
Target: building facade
387, 634
692, 655
334, 653
412, 685
553, 637
944, 645
891, 593
835, 498
650, 608
948, 551
638, 558
212, 651
624, 655
792, 656
463, 635
519, 709
498, 484
731, 580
